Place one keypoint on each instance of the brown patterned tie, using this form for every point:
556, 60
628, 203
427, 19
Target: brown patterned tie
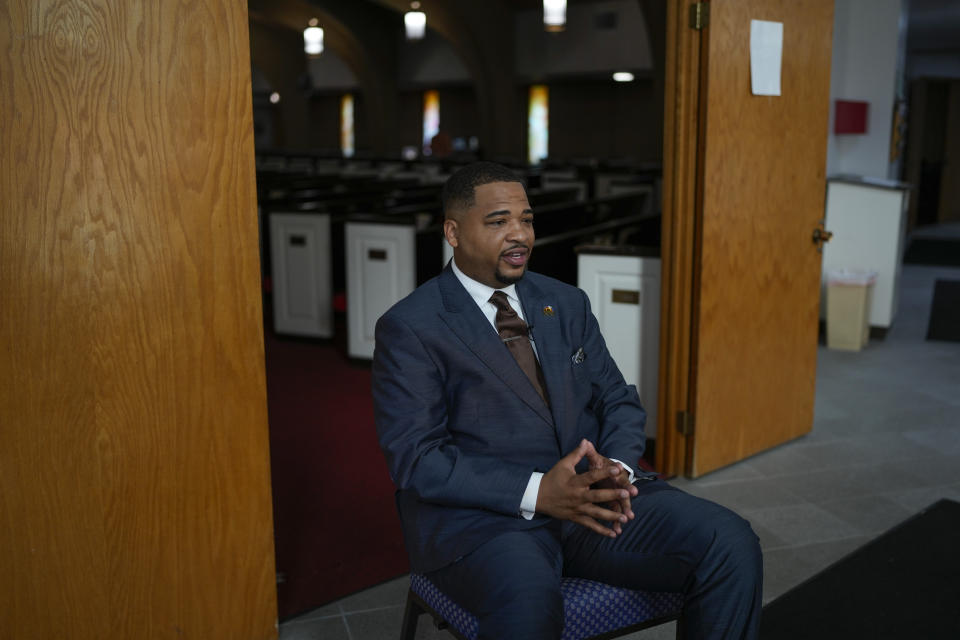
513, 332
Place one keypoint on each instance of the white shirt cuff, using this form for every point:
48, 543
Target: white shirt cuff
629, 470
528, 505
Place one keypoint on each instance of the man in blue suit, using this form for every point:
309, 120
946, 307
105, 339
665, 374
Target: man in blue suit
513, 441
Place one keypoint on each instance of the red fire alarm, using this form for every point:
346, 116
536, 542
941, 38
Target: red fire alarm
850, 116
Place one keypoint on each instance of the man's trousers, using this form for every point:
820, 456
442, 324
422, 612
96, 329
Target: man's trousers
676, 542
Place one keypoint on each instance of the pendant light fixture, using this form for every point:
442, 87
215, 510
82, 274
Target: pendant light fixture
415, 22
313, 39
554, 15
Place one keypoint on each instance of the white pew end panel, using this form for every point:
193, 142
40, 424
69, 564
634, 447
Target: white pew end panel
302, 278
381, 270
624, 292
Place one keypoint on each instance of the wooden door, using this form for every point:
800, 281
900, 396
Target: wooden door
134, 470
747, 213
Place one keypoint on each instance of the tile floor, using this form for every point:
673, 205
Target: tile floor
885, 444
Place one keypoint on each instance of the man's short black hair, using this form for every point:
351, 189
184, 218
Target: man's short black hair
459, 191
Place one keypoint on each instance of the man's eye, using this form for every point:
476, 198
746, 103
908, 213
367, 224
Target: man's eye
497, 223
528, 220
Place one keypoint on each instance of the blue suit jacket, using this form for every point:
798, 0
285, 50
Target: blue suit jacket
462, 427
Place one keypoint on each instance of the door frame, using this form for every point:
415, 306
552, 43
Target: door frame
682, 193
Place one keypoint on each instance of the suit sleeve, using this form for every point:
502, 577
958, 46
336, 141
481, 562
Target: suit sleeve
411, 418
616, 404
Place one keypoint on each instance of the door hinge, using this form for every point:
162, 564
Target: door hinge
699, 15
685, 423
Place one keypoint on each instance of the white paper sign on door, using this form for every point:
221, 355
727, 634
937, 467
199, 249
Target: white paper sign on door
766, 52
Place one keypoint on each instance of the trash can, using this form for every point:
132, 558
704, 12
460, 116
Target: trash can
849, 292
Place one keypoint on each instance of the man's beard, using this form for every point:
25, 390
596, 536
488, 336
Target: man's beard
508, 280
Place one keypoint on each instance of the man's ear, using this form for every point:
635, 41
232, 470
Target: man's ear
451, 232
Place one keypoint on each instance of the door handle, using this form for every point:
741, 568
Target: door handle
821, 236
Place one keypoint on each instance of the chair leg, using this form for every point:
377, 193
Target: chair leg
410, 617
680, 634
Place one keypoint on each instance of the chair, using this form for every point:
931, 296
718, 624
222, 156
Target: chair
592, 610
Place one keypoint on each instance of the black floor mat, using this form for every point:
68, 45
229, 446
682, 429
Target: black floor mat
945, 311
933, 251
901, 585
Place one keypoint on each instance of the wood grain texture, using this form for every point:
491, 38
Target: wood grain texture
135, 496
763, 195
681, 125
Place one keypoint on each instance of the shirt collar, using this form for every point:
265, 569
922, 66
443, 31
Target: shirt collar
480, 292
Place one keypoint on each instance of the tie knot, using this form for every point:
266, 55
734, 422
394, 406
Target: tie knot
500, 301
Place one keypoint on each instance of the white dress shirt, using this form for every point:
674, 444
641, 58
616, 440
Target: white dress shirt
481, 294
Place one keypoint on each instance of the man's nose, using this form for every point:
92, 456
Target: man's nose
520, 232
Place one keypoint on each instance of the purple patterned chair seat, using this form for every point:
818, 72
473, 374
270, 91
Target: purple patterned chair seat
591, 609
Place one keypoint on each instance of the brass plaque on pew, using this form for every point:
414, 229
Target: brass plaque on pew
625, 296
377, 254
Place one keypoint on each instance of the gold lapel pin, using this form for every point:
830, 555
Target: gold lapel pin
548, 311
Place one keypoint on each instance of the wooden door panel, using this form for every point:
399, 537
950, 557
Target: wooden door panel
758, 276
134, 471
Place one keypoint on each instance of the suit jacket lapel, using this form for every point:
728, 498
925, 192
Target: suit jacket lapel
468, 323
544, 320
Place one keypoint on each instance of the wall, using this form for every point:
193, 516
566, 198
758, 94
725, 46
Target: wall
329, 71
949, 209
864, 67
935, 65
484, 38
429, 62
432, 63
459, 117
135, 497
934, 39
590, 115
331, 78
278, 56
604, 119
324, 113
584, 46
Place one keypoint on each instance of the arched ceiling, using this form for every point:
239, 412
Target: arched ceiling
296, 15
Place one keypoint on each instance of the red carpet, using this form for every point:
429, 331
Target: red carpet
335, 524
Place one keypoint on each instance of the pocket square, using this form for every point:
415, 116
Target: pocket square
579, 356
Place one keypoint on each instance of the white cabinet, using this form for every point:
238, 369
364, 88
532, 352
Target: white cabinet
868, 221
624, 292
302, 279
381, 270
